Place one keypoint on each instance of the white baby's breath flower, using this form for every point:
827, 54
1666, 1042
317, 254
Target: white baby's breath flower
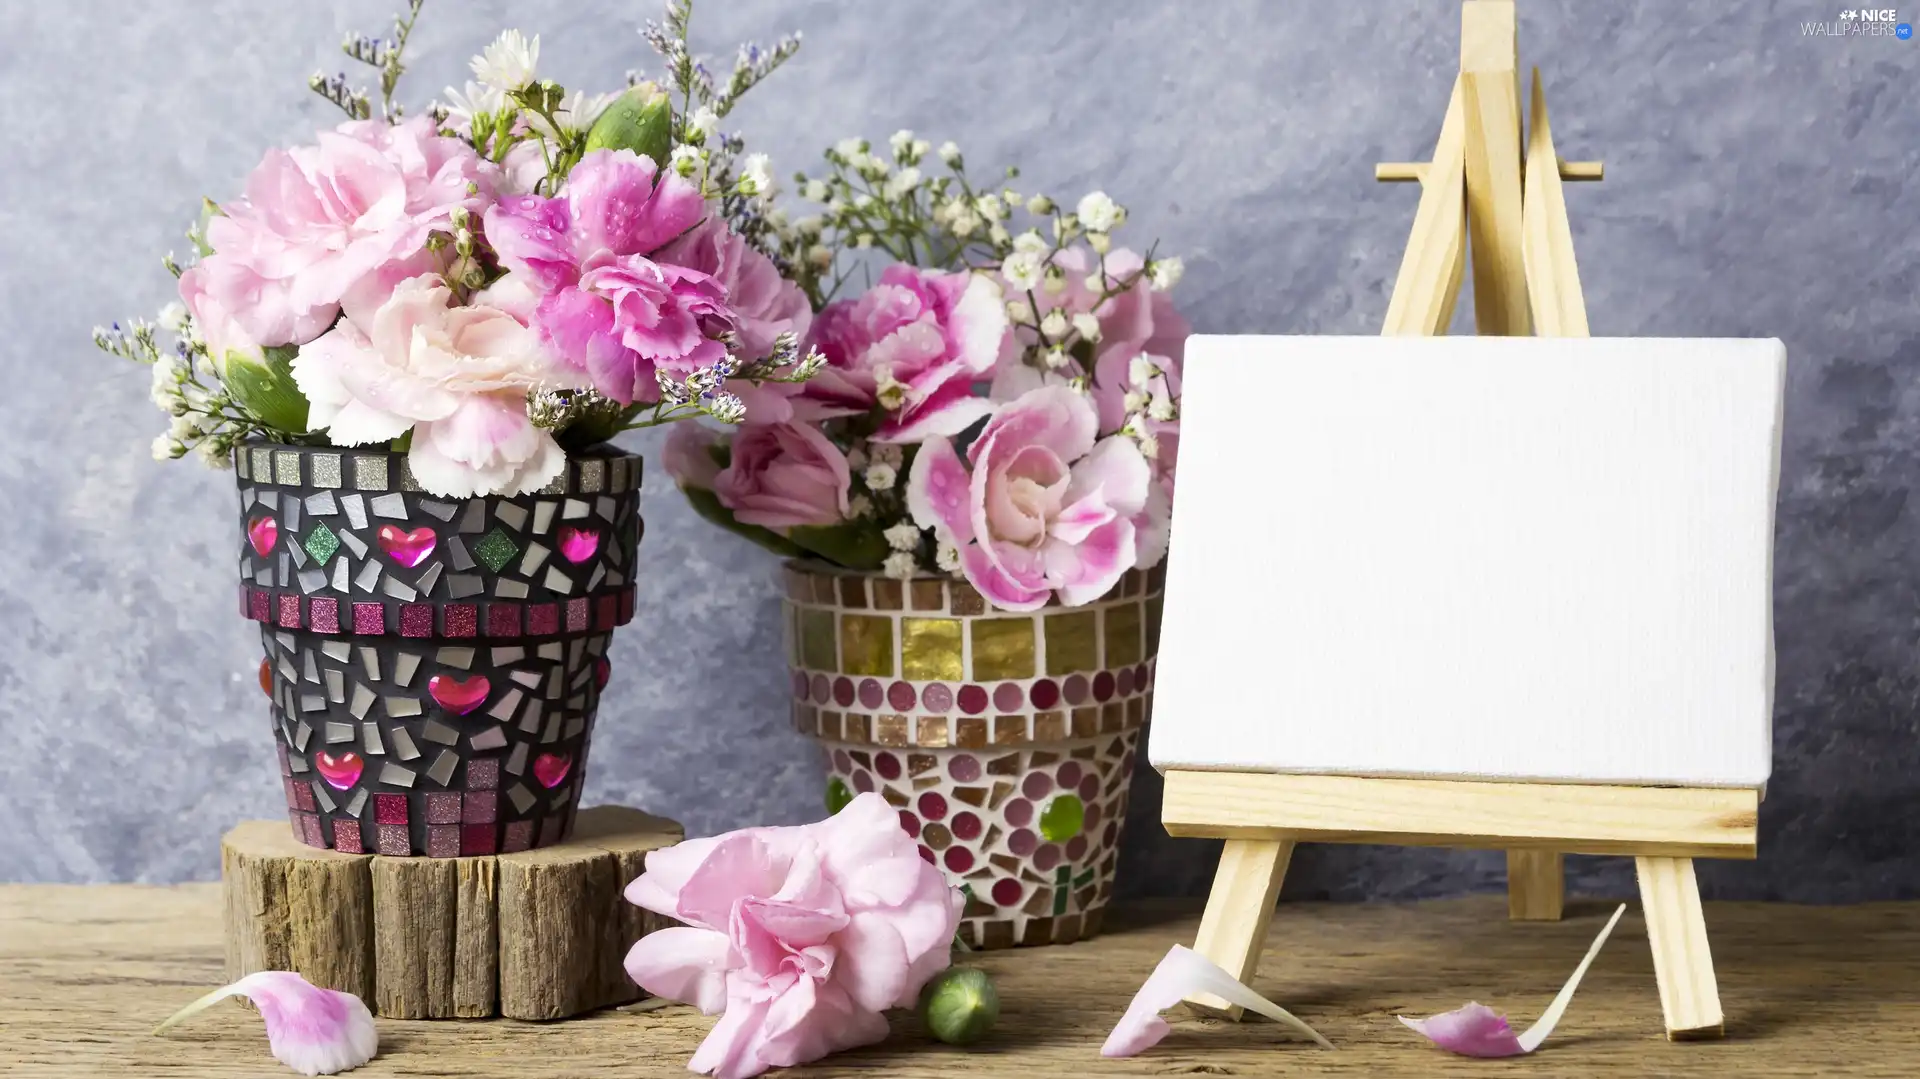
213, 454
899, 565
183, 428
1039, 205
998, 234
901, 141
810, 225
965, 223
862, 201
1149, 447
163, 448
1022, 269
1055, 282
1030, 242
815, 191
173, 317
508, 63
1165, 273
863, 241
904, 536
1141, 370
1087, 326
703, 123
947, 557
857, 459
880, 477
1098, 213
820, 256
887, 453
1161, 409
850, 149
903, 182
990, 206
950, 153
756, 176
1054, 324
1055, 358
1019, 312
686, 159
1134, 401
1100, 242
872, 166
919, 149
860, 506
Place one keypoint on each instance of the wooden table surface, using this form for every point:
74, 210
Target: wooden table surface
85, 973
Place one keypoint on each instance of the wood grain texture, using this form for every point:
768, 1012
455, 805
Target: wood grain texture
555, 909
1677, 934
1575, 818
85, 973
290, 907
476, 932
1233, 929
1434, 261
1490, 95
1552, 272
1402, 172
627, 835
1536, 885
414, 917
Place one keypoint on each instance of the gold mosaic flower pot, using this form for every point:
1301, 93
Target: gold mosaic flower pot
1005, 739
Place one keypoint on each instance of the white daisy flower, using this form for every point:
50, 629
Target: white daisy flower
475, 100
508, 63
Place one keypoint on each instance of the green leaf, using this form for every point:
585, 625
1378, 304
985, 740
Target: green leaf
849, 545
641, 121
264, 386
707, 505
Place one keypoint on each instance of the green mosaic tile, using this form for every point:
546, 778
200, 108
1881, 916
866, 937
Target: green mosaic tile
321, 543
495, 549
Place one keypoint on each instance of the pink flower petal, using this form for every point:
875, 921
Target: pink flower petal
937, 491
314, 1031
1477, 1031
1184, 973
683, 963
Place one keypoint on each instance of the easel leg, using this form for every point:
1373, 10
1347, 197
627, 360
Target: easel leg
1536, 885
1677, 929
1239, 909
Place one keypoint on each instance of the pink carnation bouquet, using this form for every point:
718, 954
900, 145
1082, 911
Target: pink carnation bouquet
1000, 403
513, 274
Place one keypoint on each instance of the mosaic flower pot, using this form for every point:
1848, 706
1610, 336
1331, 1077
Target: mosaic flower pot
434, 664
1006, 740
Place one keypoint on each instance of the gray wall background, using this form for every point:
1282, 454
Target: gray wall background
1757, 185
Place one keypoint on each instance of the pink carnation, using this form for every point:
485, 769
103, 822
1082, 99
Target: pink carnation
784, 475
457, 377
319, 223
764, 305
608, 307
934, 334
801, 936
1039, 506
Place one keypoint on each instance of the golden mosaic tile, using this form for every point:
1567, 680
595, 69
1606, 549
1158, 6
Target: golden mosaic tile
1039, 902
1002, 648
865, 760
853, 593
1136, 711
965, 599
970, 732
936, 836
1073, 642
1049, 726
895, 798
1001, 792
927, 782
921, 763
973, 796
866, 645
1008, 765
928, 595
1153, 625
1006, 863
930, 649
890, 730
823, 590
996, 934
857, 729
1086, 722
888, 594
1123, 634
798, 585
1113, 717
1041, 758
816, 639
830, 726
1009, 730
932, 732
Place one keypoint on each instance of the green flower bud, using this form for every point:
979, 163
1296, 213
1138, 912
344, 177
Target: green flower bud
641, 121
263, 384
960, 1005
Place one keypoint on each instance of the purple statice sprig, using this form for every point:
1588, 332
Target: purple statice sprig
386, 55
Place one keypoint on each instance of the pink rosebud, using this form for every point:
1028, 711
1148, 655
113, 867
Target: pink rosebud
784, 475
314, 1031
801, 936
1039, 507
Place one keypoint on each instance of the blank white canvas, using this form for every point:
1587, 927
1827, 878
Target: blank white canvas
1498, 558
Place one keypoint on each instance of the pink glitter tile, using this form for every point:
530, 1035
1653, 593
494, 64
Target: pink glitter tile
416, 620
323, 614
482, 807
443, 841
503, 620
576, 618
606, 612
290, 610
483, 774
390, 808
519, 837
393, 840
286, 766
542, 619
302, 795
479, 839
260, 606
443, 807
292, 788
626, 606
462, 619
369, 619
346, 836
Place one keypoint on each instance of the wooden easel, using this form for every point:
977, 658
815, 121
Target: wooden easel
1525, 281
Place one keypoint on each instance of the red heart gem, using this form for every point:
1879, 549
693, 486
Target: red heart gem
602, 670
263, 533
266, 677
456, 696
551, 769
407, 548
340, 772
579, 544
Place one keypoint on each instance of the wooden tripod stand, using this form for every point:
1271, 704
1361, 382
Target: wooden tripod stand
1479, 185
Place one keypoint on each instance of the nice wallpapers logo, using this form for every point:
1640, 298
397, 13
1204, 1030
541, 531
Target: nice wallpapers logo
1861, 22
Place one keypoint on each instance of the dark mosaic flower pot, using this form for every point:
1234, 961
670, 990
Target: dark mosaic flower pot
1005, 739
434, 664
